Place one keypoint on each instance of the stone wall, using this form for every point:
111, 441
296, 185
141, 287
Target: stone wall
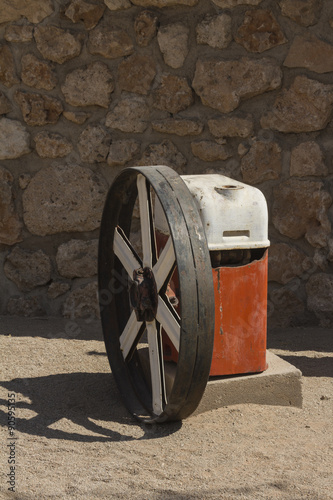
239, 87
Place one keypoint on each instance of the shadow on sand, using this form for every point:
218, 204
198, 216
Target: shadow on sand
81, 398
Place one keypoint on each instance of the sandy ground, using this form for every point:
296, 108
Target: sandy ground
74, 440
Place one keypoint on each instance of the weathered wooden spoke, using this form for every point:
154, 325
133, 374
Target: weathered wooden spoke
125, 252
165, 264
156, 367
128, 339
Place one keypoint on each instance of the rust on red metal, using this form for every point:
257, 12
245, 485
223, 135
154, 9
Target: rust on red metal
240, 318
240, 295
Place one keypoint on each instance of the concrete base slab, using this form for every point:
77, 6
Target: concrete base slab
279, 385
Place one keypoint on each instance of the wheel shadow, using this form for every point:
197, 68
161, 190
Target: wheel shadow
81, 398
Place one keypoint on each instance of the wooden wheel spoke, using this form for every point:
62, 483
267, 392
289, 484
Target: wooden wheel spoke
156, 367
165, 264
147, 225
125, 252
169, 321
130, 336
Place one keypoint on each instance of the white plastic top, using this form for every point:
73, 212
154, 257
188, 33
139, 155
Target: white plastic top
234, 215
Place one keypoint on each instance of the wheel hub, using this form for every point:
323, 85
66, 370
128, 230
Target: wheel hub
143, 294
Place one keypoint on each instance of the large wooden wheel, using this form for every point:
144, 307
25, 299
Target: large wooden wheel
135, 279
